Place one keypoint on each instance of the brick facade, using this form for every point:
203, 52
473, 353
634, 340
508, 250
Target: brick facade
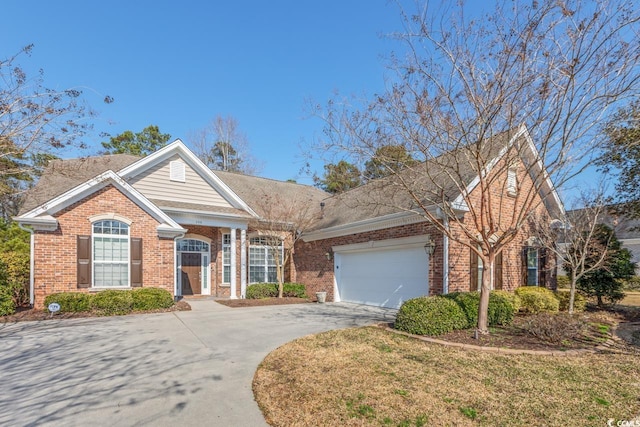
55, 253
55, 262
316, 272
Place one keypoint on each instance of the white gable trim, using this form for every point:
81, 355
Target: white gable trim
460, 203
178, 147
42, 213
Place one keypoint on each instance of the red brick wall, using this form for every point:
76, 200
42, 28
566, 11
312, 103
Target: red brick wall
316, 272
55, 252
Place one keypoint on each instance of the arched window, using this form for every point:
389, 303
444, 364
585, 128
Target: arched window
110, 254
192, 245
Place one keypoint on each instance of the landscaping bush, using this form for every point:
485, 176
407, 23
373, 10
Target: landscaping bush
262, 290
430, 316
537, 300
270, 290
293, 290
16, 268
579, 301
511, 297
111, 302
501, 310
7, 304
70, 302
151, 298
554, 327
563, 281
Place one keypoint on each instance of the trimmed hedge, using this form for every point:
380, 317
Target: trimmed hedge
270, 290
151, 298
579, 302
433, 315
511, 297
500, 312
112, 301
537, 300
70, 302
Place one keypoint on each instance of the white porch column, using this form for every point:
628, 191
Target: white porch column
243, 263
234, 266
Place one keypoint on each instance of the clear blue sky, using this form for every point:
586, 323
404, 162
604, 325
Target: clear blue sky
178, 64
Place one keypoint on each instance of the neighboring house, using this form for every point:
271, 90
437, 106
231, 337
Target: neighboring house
167, 221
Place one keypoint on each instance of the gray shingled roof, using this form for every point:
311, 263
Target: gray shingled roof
435, 181
253, 190
431, 179
63, 175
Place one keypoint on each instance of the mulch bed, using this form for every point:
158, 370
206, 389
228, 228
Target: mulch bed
31, 314
261, 302
515, 337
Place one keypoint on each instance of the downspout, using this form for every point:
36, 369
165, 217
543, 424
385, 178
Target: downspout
445, 256
31, 262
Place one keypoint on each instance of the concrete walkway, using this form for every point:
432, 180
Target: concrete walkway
184, 368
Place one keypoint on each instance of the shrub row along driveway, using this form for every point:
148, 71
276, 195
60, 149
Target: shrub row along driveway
182, 368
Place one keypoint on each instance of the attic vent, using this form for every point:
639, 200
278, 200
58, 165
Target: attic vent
512, 182
177, 171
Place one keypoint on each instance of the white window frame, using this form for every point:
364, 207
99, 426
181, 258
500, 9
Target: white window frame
126, 238
536, 268
265, 249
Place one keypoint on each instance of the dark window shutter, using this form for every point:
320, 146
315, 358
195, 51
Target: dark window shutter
136, 262
497, 272
473, 273
84, 261
542, 267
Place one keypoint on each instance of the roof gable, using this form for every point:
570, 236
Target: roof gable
138, 171
381, 199
42, 214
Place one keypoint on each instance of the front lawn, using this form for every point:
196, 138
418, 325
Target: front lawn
368, 376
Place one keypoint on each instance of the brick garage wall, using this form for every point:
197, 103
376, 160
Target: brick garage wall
55, 252
316, 272
504, 207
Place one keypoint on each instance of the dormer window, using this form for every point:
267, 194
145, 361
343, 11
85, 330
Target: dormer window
177, 171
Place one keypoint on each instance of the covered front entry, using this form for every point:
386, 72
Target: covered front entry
381, 276
193, 267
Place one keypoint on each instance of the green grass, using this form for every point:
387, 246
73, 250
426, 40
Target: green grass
368, 376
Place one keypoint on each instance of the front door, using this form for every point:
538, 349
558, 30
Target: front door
191, 269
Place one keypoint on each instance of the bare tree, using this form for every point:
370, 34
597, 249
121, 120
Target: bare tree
283, 219
222, 146
35, 121
527, 82
576, 242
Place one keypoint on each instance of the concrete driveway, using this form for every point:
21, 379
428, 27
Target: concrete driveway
185, 368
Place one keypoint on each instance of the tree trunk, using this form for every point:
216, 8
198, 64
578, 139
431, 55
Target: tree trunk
483, 309
572, 293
